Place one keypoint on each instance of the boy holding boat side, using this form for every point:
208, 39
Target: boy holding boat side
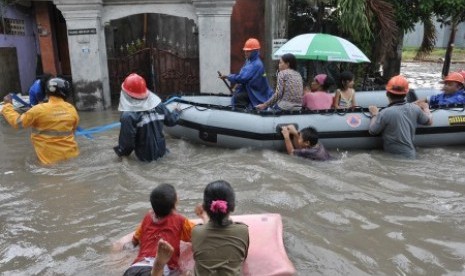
398, 121
304, 143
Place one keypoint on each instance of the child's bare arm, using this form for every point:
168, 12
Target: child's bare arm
292, 130
287, 140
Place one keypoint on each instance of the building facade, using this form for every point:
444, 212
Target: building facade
18, 48
72, 36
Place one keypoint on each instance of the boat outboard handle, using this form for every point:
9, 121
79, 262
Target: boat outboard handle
227, 84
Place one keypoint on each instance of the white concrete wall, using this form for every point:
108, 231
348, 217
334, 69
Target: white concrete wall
414, 38
88, 52
111, 12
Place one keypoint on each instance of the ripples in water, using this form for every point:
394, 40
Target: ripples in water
365, 213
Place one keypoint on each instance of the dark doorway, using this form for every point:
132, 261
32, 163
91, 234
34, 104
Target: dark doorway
9, 75
161, 48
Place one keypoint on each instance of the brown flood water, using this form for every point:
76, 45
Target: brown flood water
362, 214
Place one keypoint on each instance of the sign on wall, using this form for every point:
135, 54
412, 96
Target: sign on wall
82, 31
277, 43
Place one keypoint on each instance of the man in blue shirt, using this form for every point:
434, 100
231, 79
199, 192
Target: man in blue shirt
252, 85
453, 91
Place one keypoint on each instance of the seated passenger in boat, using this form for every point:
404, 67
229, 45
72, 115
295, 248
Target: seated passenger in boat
453, 92
161, 222
345, 95
251, 85
397, 122
319, 98
220, 246
304, 143
289, 87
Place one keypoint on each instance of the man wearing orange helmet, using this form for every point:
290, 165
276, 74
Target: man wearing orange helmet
253, 87
142, 121
398, 121
453, 91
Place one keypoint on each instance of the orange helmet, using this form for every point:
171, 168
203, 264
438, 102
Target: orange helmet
454, 76
462, 73
397, 85
135, 86
251, 44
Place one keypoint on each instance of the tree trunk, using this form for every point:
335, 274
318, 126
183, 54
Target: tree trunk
392, 62
450, 47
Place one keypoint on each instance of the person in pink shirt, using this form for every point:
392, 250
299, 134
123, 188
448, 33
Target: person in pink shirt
320, 98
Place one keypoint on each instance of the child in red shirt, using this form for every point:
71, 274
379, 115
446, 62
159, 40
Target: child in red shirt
162, 222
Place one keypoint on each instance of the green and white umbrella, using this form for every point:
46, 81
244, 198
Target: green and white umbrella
322, 47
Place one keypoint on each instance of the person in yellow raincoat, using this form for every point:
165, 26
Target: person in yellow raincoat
53, 123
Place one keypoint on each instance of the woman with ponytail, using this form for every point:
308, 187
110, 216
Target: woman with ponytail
220, 246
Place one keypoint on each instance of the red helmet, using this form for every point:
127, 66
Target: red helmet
454, 76
251, 44
135, 86
397, 85
462, 73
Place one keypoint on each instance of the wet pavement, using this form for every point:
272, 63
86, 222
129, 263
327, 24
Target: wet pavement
426, 74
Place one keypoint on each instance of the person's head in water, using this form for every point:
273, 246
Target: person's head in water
163, 199
308, 137
219, 201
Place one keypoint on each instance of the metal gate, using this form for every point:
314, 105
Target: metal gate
166, 73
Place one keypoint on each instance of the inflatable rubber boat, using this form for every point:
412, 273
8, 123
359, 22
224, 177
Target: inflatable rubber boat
266, 256
211, 120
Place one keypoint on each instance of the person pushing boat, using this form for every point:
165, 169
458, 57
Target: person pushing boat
53, 123
142, 121
398, 121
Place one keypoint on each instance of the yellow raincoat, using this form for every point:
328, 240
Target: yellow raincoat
53, 125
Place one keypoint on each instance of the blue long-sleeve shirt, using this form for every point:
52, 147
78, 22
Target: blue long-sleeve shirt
252, 79
448, 99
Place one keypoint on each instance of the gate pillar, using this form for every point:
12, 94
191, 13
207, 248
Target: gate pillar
214, 23
87, 51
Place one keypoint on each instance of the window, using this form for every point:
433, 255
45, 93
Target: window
11, 26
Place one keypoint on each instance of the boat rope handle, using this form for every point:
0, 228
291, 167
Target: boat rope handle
87, 132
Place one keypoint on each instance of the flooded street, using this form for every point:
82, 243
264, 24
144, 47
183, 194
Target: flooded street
362, 214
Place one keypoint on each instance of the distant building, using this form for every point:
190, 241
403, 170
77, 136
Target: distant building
414, 38
18, 48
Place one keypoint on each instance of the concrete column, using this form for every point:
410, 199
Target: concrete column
87, 51
214, 22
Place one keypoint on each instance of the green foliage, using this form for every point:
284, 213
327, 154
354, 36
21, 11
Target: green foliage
353, 16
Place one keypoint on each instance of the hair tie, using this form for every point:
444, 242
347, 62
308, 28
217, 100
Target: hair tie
219, 206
